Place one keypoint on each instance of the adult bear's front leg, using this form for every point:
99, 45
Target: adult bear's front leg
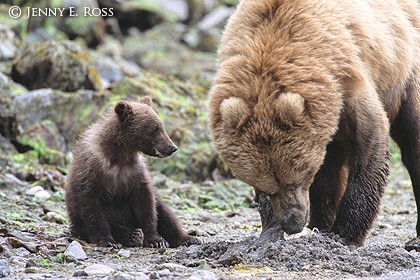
368, 170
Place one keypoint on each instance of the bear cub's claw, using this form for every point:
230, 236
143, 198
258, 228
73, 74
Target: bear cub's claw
157, 242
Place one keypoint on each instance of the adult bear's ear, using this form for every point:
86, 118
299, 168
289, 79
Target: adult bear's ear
289, 108
146, 100
235, 112
123, 109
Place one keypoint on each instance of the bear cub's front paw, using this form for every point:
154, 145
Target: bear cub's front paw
188, 240
136, 238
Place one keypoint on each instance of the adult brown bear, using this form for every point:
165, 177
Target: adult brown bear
305, 97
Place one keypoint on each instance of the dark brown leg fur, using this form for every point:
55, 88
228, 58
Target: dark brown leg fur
143, 203
169, 227
96, 227
127, 236
368, 172
405, 130
328, 187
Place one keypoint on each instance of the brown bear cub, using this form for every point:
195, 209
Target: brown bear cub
305, 98
110, 199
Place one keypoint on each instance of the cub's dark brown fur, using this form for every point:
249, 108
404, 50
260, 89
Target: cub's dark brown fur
110, 199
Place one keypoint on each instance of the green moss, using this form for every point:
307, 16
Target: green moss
44, 262
57, 197
60, 258
26, 159
44, 153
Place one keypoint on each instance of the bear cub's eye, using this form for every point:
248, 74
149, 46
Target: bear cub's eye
155, 129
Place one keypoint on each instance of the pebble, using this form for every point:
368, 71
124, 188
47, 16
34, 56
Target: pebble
42, 195
124, 276
38, 276
4, 268
15, 180
141, 276
172, 267
79, 273
98, 269
203, 275
124, 253
193, 251
55, 217
18, 261
154, 275
75, 252
34, 190
38, 192
21, 252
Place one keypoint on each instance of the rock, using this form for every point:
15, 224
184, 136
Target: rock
175, 8
55, 218
98, 270
172, 267
154, 275
57, 65
23, 115
8, 43
109, 70
18, 261
34, 190
216, 18
207, 33
45, 138
131, 13
125, 276
413, 244
202, 275
161, 50
193, 251
4, 268
21, 252
164, 273
13, 180
79, 273
42, 195
75, 252
124, 253
90, 28
141, 276
198, 8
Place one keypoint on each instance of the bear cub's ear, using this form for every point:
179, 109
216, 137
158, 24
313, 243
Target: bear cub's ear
146, 100
123, 109
235, 112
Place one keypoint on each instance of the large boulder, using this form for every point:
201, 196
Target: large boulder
90, 26
143, 15
58, 65
45, 121
160, 49
8, 42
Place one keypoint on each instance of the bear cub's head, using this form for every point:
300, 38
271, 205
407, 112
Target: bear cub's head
142, 129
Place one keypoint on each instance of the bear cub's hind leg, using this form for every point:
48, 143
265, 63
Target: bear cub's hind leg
170, 228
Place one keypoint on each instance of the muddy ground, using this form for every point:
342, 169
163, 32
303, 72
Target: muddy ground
32, 241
